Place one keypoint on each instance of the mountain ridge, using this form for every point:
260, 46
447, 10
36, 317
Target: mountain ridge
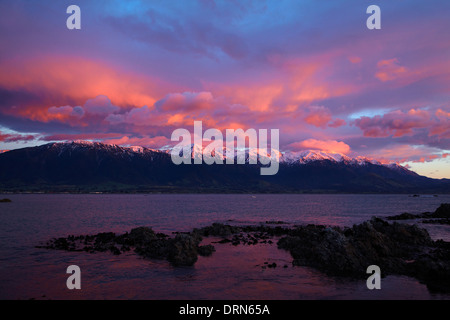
81, 166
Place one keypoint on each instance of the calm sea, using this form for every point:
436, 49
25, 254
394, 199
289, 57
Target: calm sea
231, 273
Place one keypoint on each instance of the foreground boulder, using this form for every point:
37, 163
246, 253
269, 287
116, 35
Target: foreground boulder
396, 248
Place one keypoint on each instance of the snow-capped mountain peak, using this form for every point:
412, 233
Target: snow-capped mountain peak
287, 157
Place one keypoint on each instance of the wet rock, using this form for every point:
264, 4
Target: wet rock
442, 212
154, 249
104, 237
405, 216
433, 268
206, 250
223, 241
350, 251
218, 229
275, 222
5, 200
104, 241
183, 250
114, 250
141, 236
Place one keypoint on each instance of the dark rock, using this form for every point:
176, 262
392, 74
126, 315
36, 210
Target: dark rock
206, 250
433, 268
103, 241
223, 241
141, 235
183, 250
154, 249
350, 251
275, 222
443, 211
404, 216
5, 200
104, 237
114, 250
60, 244
125, 248
218, 229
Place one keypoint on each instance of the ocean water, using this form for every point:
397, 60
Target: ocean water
231, 272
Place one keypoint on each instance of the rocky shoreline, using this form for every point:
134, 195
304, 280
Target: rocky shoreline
397, 248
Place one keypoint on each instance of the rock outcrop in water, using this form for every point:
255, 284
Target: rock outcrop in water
443, 212
349, 251
182, 250
397, 248
5, 200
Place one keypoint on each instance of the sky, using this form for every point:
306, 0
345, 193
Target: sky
138, 70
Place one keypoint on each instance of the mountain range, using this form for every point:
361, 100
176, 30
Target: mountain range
82, 166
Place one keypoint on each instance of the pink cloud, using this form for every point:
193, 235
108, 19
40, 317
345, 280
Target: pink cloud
15, 137
149, 142
318, 116
354, 59
396, 123
80, 136
402, 153
330, 146
65, 112
100, 105
321, 117
337, 123
389, 70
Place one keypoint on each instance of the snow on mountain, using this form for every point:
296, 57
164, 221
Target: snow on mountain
288, 158
112, 148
